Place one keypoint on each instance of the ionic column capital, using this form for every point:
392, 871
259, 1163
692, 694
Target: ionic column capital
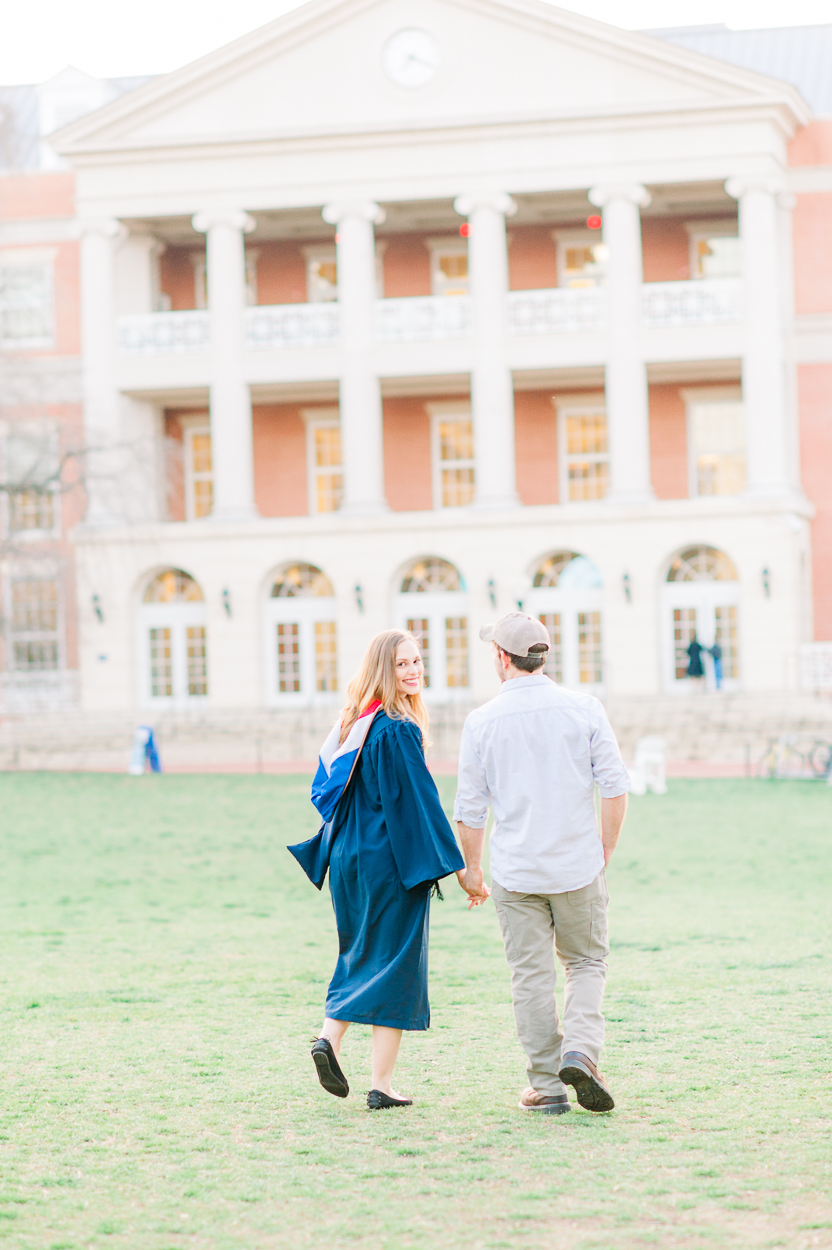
103, 227
497, 201
769, 184
236, 219
365, 210
632, 192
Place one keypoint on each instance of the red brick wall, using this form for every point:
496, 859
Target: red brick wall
668, 443
812, 145
812, 234
174, 464
37, 195
532, 258
665, 247
407, 468
176, 275
280, 460
281, 273
815, 400
536, 447
406, 265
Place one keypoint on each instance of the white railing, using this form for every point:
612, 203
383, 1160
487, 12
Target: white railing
816, 666
270, 327
154, 334
559, 310
704, 302
423, 318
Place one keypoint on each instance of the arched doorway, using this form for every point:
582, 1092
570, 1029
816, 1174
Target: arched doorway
301, 637
173, 645
700, 596
432, 604
566, 595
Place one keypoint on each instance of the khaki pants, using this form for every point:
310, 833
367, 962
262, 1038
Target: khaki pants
577, 921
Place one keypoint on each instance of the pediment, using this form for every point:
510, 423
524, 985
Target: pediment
319, 70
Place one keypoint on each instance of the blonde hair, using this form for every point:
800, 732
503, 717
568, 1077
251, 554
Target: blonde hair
376, 679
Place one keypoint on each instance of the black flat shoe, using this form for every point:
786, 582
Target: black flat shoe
376, 1101
329, 1070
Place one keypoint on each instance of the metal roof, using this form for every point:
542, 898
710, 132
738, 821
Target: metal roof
800, 55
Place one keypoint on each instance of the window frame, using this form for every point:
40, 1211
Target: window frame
583, 237
191, 425
447, 245
306, 612
31, 258
36, 572
440, 414
40, 534
708, 395
720, 228
320, 419
570, 405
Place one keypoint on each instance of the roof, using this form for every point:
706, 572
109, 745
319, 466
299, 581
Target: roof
800, 55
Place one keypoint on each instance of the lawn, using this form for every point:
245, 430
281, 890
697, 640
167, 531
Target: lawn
164, 965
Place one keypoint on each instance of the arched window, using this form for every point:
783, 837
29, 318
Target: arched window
174, 643
302, 636
566, 595
700, 603
433, 605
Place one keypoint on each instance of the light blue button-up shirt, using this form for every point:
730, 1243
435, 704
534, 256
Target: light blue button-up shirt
535, 754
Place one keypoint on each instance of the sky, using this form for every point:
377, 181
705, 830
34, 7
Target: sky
111, 38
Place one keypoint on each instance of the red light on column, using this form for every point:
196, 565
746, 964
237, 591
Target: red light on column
465, 229
594, 222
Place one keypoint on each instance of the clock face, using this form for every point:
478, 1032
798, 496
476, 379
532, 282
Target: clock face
410, 57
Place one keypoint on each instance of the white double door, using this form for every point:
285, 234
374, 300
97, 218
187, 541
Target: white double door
173, 654
710, 610
574, 620
439, 622
301, 660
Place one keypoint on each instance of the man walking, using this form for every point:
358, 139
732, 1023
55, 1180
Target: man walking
535, 754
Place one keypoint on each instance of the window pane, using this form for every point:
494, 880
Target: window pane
589, 646
726, 636
25, 303
161, 666
288, 658
454, 265
456, 440
328, 446
586, 433
720, 475
201, 445
684, 627
457, 487
326, 656
456, 651
418, 626
197, 661
203, 498
554, 659
31, 510
34, 606
718, 257
588, 479
329, 491
35, 657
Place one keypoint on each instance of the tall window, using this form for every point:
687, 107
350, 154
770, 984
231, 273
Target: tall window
581, 258
567, 596
448, 266
176, 651
27, 314
716, 439
700, 600
584, 453
199, 471
34, 625
715, 250
302, 634
32, 473
554, 657
321, 274
323, 457
432, 605
453, 456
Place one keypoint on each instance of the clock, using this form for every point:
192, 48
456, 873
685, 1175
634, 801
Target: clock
410, 58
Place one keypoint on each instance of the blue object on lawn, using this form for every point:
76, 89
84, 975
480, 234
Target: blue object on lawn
144, 752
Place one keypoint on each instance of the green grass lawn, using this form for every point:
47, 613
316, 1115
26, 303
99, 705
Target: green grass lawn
164, 965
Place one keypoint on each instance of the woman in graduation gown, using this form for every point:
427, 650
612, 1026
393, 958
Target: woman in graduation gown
388, 844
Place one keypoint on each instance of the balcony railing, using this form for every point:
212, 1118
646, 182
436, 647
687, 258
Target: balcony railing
560, 310
423, 318
163, 333
270, 327
707, 302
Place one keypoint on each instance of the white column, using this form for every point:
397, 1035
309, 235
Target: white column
492, 388
101, 400
232, 452
768, 454
628, 415
359, 387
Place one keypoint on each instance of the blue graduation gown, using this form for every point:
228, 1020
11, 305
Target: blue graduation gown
390, 841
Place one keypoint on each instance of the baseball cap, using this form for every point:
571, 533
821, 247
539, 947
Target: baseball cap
516, 633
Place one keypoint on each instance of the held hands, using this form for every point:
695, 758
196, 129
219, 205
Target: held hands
471, 881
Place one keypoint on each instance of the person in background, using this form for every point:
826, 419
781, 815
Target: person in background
695, 669
716, 652
535, 754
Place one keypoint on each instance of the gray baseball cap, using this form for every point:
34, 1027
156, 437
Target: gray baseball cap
516, 633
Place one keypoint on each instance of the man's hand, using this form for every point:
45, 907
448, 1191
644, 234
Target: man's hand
471, 880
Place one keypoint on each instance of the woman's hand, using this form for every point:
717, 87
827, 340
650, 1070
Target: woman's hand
471, 881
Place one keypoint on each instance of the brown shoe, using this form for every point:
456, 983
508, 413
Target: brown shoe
590, 1088
549, 1104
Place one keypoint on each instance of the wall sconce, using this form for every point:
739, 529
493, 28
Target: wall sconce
628, 590
492, 592
97, 609
359, 597
226, 602
766, 576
